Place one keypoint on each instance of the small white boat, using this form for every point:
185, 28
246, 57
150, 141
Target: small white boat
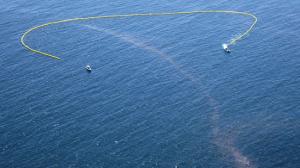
226, 48
88, 68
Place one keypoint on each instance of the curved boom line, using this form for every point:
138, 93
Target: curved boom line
233, 41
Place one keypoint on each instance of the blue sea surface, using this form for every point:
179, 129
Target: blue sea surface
162, 92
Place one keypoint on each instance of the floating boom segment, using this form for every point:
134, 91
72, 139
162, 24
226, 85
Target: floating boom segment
233, 41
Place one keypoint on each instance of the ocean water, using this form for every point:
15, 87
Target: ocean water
162, 92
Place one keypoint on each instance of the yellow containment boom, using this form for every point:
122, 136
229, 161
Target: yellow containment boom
233, 41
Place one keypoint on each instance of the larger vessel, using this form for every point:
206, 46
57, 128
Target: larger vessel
226, 48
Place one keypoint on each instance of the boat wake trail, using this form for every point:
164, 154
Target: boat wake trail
224, 143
